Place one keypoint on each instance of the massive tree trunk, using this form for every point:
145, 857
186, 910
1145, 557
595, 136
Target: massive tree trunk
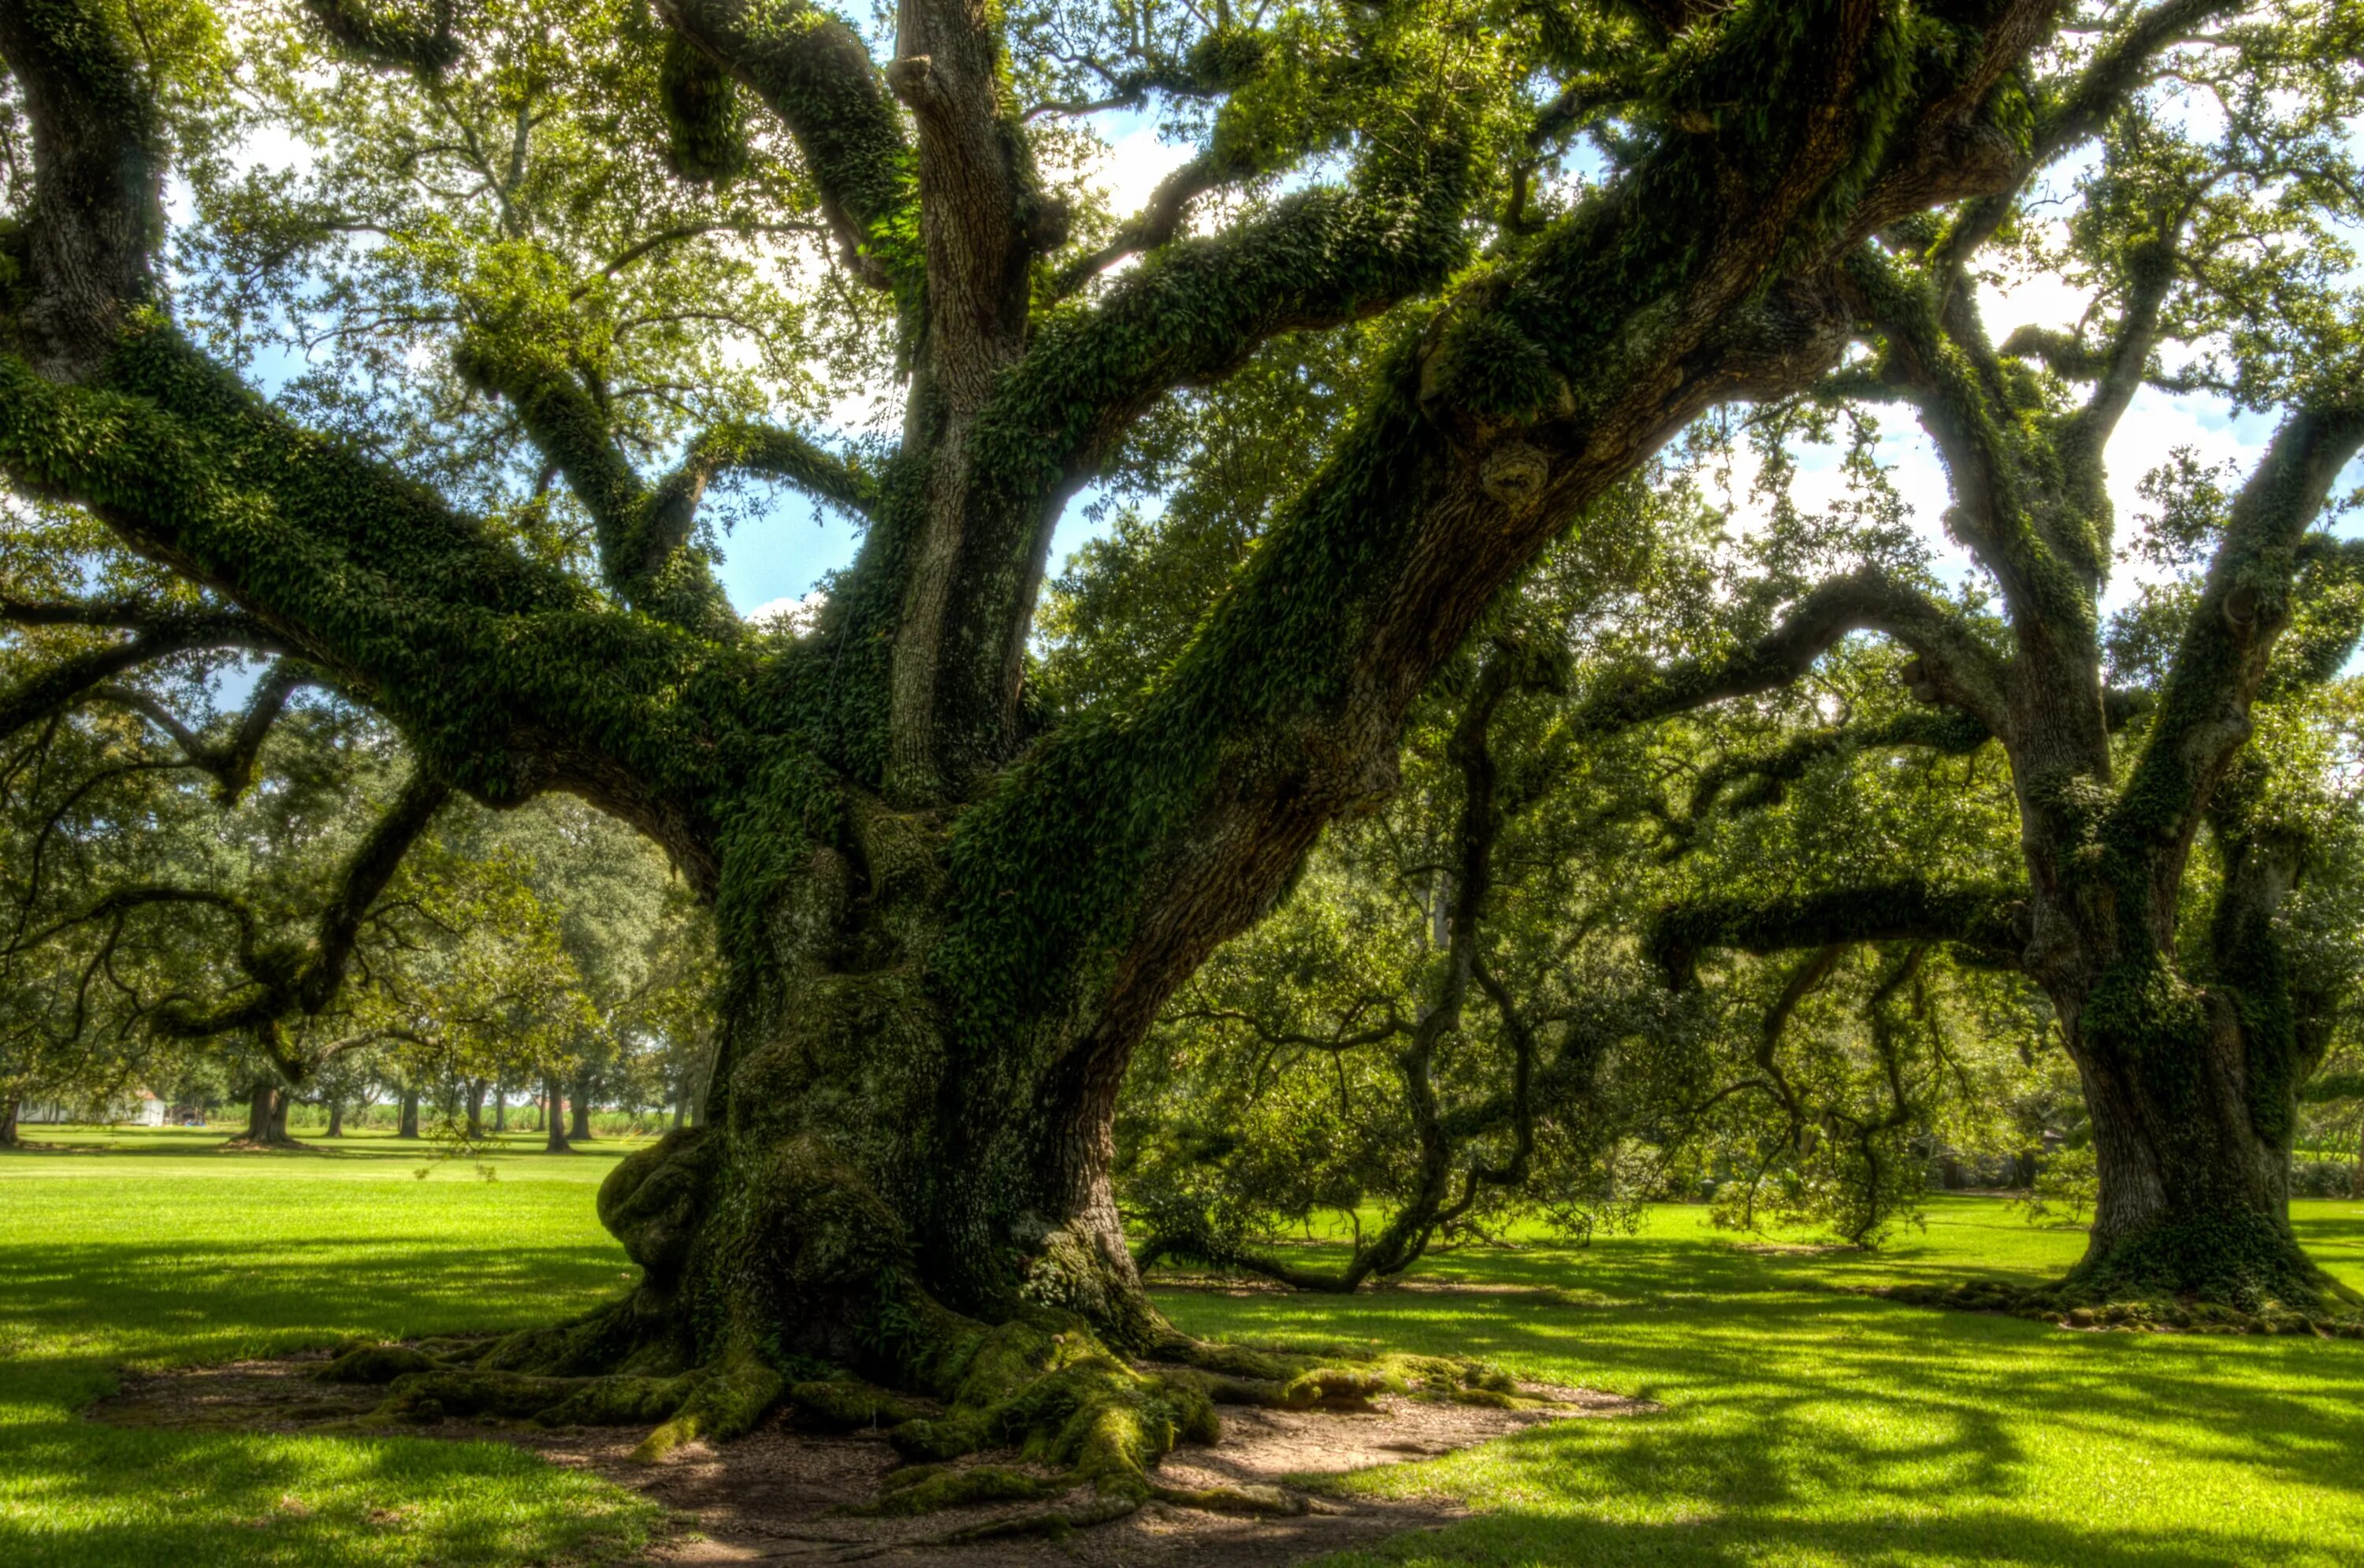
857, 1133
2192, 1123
406, 1121
2191, 1081
8, 1106
474, 1091
336, 1116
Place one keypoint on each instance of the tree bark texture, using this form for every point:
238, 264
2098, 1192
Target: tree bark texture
406, 1120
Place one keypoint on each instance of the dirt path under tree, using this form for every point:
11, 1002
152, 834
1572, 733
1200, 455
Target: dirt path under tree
782, 1495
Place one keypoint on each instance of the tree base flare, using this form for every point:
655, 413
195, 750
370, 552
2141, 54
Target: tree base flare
2075, 1303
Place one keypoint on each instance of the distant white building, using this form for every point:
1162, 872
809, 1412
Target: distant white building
136, 1108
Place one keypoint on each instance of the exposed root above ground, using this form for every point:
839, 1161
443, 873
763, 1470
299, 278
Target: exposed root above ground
803, 1476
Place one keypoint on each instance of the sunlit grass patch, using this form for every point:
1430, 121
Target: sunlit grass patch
1805, 1423
161, 1251
1809, 1424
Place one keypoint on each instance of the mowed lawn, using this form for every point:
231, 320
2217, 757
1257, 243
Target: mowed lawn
163, 1253
1801, 1424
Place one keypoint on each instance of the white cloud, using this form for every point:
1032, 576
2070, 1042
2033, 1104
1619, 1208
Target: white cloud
795, 615
1136, 163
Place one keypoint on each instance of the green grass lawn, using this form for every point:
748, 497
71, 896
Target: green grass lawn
1802, 1424
161, 1251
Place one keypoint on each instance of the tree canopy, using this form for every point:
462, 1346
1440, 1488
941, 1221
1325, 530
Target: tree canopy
1404, 342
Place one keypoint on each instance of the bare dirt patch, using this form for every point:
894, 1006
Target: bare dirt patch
781, 1494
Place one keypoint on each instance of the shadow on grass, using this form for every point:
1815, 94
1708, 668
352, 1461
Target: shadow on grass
1807, 1424
226, 1298
77, 1492
1532, 1540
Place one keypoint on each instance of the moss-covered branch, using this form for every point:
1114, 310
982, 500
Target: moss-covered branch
642, 533
777, 454
505, 673
2245, 603
1128, 845
2043, 547
1192, 311
401, 35
2328, 1087
1989, 921
811, 69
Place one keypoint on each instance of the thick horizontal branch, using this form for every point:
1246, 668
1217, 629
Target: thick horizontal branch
1758, 777
501, 670
402, 35
2066, 354
775, 453
1989, 921
1340, 1040
2325, 1088
1744, 781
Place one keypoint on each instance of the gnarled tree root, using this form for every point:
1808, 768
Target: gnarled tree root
1087, 1426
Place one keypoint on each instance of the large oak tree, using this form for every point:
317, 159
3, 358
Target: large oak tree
946, 916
